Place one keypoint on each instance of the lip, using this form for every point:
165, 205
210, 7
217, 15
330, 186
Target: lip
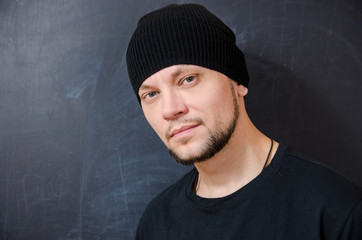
183, 129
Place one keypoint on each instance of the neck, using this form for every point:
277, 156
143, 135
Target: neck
239, 162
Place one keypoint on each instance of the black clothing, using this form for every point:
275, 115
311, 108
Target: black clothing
183, 34
292, 199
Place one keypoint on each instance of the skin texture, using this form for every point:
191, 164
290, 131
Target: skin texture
200, 116
195, 106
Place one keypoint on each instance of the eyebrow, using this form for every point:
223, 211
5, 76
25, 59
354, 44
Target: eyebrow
178, 72
175, 74
144, 87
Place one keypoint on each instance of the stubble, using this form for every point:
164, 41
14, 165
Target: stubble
216, 141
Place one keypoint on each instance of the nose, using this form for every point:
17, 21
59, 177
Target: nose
173, 106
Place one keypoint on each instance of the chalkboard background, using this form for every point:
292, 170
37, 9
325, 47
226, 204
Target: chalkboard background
78, 159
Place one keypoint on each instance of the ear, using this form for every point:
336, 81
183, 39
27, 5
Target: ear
242, 90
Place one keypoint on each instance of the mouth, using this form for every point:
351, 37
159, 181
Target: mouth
183, 130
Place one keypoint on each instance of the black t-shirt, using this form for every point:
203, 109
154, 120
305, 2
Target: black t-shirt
293, 198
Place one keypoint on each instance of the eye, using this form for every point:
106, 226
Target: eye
149, 95
188, 80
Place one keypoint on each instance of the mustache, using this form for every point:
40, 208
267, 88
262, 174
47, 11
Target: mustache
171, 127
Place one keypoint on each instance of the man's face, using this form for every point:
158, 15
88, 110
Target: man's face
193, 110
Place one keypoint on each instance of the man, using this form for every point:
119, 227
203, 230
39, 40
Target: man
191, 80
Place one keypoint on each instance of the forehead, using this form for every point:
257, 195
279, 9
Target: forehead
170, 73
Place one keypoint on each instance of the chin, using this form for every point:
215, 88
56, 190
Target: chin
188, 156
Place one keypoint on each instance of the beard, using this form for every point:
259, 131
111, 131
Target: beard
216, 141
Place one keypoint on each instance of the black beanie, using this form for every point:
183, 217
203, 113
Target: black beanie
183, 34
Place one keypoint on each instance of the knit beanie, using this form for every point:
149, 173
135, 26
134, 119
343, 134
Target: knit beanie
183, 34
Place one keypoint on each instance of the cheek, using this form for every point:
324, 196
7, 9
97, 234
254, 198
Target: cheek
215, 103
154, 121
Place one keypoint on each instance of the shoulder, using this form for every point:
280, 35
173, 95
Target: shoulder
176, 189
315, 180
317, 193
162, 206
170, 196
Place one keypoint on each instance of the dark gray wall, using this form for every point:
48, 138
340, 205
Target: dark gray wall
77, 158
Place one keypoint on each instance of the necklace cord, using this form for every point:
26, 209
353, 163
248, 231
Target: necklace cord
267, 158
265, 164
